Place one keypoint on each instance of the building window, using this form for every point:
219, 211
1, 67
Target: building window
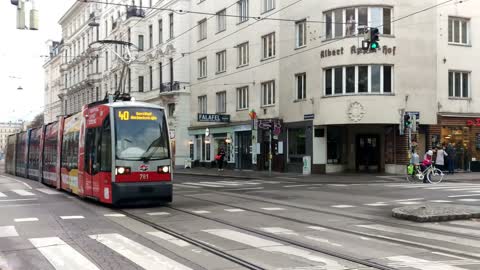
202, 104
170, 17
106, 60
268, 93
151, 77
243, 54
458, 31
242, 98
202, 67
222, 20
160, 31
268, 5
361, 79
458, 84
140, 42
296, 144
268, 46
345, 21
202, 29
150, 36
301, 33
301, 86
221, 61
242, 10
140, 83
222, 102
171, 109
160, 74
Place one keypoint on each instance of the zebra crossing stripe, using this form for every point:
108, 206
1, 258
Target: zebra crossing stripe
23, 192
170, 238
8, 231
61, 255
48, 191
141, 255
407, 261
2, 195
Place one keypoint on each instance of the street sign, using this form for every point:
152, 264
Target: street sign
417, 114
219, 118
308, 116
264, 124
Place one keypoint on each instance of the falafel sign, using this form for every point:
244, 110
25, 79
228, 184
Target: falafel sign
354, 50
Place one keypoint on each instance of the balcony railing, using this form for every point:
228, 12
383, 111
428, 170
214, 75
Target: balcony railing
169, 87
135, 12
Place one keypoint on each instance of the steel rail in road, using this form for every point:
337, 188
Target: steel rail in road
194, 242
352, 232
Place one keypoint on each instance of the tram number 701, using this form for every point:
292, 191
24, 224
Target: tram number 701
143, 176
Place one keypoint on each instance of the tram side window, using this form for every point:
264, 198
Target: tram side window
74, 152
65, 151
106, 147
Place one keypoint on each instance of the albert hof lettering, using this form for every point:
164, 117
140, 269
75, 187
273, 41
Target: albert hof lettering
354, 50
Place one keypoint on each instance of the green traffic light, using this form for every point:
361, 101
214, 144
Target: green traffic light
374, 45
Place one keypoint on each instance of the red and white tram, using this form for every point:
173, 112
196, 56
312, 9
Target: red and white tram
113, 152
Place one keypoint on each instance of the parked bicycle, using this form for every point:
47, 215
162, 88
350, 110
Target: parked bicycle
432, 174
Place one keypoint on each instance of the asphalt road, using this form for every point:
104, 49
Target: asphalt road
224, 223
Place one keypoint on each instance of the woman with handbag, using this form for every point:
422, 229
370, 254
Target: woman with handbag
220, 158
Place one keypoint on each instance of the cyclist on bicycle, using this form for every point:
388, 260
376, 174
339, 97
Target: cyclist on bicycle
427, 162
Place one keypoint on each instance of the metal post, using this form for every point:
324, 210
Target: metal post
270, 152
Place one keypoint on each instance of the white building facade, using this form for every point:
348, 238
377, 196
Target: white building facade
307, 76
53, 83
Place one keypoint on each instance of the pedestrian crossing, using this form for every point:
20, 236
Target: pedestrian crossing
233, 185
63, 253
26, 193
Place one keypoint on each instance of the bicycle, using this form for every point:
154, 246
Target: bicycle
433, 175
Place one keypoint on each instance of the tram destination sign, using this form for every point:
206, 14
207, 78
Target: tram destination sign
218, 118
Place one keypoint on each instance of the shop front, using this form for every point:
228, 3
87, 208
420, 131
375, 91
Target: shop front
234, 139
460, 135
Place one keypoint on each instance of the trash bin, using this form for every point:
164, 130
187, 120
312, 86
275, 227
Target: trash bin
188, 163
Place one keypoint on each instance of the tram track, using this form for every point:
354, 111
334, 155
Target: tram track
474, 256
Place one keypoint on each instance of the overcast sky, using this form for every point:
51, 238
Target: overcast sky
20, 57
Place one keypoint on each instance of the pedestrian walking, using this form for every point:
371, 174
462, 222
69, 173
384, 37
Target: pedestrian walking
440, 160
220, 158
452, 153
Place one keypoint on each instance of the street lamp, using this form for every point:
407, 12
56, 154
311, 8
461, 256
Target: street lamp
20, 88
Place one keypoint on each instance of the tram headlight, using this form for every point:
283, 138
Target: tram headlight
122, 170
163, 169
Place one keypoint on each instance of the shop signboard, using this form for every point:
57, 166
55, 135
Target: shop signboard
473, 123
218, 118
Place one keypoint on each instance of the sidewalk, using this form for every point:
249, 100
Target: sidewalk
317, 178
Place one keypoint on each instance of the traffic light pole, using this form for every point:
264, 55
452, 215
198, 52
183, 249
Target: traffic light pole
270, 152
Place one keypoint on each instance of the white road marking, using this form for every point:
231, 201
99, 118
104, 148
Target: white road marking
8, 231
277, 230
296, 186
141, 255
416, 263
337, 185
240, 189
202, 185
234, 210
23, 192
201, 212
364, 238
114, 215
2, 195
377, 204
408, 200
469, 200
273, 209
440, 201
170, 238
317, 228
224, 184
158, 214
321, 240
465, 195
25, 219
18, 200
469, 223
449, 255
48, 191
459, 189
455, 229
409, 203
61, 255
433, 236
72, 217
186, 186
343, 206
243, 238
327, 263
21, 182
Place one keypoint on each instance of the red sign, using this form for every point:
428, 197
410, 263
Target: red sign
473, 123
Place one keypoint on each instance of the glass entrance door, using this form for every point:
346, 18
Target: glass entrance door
243, 159
368, 153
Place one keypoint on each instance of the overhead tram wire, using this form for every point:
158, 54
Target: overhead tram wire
316, 47
236, 31
183, 12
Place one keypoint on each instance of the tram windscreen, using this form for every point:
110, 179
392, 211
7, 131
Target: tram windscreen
141, 134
